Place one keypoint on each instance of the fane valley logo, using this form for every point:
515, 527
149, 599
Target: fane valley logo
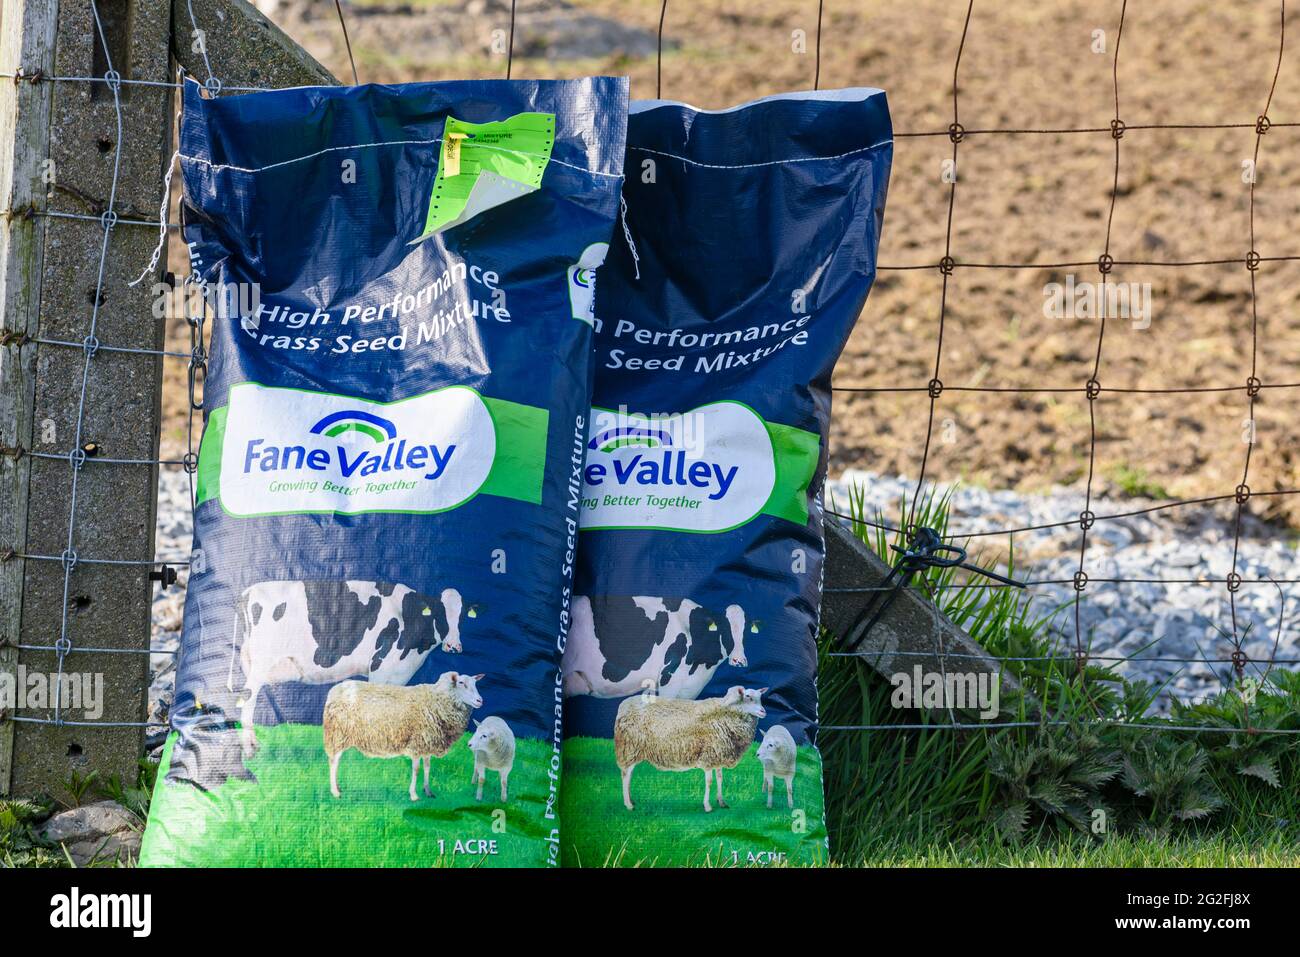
659, 465
706, 470
392, 455
286, 450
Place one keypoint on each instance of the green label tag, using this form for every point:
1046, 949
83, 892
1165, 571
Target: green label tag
482, 165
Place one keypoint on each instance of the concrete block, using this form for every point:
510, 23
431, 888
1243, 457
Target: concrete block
107, 605
912, 632
244, 47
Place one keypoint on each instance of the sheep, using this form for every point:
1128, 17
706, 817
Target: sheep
676, 734
777, 754
493, 745
389, 721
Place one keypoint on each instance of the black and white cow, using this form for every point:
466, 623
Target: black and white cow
621, 645
323, 632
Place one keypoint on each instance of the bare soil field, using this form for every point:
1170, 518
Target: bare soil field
1032, 200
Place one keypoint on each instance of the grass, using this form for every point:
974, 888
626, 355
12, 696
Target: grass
1029, 797
669, 826
288, 817
1218, 849
1134, 481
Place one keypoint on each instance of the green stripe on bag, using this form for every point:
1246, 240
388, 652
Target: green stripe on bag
519, 467
795, 454
209, 472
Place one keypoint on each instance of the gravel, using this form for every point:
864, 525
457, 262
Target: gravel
1141, 619
1190, 618
174, 532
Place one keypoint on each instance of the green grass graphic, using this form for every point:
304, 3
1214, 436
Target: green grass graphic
287, 818
361, 427
647, 441
669, 826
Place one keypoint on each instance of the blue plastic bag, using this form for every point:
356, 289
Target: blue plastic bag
690, 666
387, 490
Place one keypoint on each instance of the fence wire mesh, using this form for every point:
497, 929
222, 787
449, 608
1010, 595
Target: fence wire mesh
1092, 389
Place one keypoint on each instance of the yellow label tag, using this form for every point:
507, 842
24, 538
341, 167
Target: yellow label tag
451, 154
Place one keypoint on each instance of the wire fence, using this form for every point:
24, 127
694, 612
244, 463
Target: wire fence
163, 568
1092, 388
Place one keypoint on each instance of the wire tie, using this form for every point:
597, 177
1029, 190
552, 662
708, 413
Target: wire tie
213, 86
1253, 385
1252, 260
1233, 582
1086, 519
114, 80
946, 265
77, 458
1092, 390
1243, 493
935, 388
90, 345
1105, 263
925, 549
62, 646
1262, 124
190, 462
68, 558
108, 219
956, 132
1080, 580
1117, 129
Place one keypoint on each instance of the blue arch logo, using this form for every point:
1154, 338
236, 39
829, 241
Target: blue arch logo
356, 420
617, 438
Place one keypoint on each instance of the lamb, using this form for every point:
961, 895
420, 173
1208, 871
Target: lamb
493, 745
777, 754
389, 721
676, 734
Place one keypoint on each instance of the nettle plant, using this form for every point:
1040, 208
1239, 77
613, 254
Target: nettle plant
1269, 708
1173, 778
20, 846
1054, 778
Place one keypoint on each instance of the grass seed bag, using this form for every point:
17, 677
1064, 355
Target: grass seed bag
388, 483
689, 666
